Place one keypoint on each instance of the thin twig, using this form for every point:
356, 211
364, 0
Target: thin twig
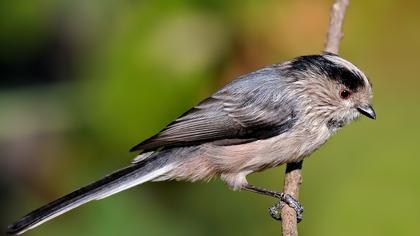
293, 176
334, 34
292, 181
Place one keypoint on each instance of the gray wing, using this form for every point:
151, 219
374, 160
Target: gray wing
252, 107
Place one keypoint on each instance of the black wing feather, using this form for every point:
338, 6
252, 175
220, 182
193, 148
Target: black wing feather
238, 113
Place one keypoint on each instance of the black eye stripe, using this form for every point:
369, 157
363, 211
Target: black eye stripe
318, 64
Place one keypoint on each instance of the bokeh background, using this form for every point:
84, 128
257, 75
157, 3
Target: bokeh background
83, 81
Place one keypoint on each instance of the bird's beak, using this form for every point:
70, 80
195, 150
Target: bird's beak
367, 110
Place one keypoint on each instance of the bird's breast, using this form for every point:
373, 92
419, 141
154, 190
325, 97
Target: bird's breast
288, 147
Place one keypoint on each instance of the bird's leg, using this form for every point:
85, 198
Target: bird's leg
284, 198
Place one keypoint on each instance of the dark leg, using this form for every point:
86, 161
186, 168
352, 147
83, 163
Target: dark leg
284, 198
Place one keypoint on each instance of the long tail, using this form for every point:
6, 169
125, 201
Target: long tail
118, 181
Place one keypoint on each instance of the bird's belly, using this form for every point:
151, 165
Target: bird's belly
292, 147
262, 154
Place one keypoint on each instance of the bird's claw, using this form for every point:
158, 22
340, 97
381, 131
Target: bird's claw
275, 210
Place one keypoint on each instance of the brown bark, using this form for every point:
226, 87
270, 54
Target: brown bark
293, 176
334, 35
292, 181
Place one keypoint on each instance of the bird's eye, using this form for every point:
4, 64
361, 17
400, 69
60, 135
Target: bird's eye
345, 94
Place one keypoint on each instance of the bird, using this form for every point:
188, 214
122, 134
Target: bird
275, 115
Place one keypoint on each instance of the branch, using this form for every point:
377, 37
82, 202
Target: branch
334, 34
292, 182
293, 176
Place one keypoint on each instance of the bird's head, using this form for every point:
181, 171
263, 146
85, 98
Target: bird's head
333, 90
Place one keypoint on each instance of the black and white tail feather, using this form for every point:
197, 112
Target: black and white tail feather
139, 172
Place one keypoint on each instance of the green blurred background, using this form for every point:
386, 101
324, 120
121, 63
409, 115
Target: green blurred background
83, 81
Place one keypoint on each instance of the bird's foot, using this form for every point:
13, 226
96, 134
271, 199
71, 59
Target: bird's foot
275, 210
284, 199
